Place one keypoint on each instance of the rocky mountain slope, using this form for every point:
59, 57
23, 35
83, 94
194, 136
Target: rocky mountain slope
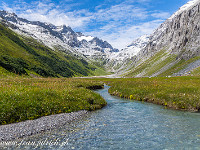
174, 48
132, 49
26, 56
120, 61
60, 37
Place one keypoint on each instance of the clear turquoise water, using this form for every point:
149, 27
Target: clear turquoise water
124, 125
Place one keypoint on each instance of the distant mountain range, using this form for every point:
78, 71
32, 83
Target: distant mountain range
172, 50
118, 62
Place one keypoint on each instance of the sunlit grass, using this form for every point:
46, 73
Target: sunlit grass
22, 99
175, 92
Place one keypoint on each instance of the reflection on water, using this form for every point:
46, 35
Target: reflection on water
122, 124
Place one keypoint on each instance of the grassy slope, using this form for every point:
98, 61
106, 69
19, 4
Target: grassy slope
22, 99
179, 66
160, 60
177, 92
24, 56
196, 71
148, 66
100, 72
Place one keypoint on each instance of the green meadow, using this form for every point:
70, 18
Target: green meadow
181, 93
25, 94
30, 98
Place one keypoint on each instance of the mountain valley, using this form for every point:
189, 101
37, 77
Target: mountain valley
171, 50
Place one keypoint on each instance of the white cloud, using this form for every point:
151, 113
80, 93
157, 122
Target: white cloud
49, 12
7, 8
121, 12
161, 15
123, 36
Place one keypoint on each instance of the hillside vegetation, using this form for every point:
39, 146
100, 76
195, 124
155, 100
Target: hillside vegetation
163, 64
25, 56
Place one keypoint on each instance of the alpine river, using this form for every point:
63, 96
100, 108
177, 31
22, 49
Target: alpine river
125, 125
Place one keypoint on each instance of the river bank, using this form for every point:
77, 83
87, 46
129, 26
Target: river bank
30, 127
72, 95
182, 93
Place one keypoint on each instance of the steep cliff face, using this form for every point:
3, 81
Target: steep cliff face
173, 46
180, 32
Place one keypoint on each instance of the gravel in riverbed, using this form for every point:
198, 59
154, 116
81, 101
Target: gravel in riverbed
30, 127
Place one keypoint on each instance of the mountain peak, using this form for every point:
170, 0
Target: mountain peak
132, 49
184, 7
3, 12
140, 42
64, 29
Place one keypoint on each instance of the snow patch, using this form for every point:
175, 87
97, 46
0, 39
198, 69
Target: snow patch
87, 38
132, 49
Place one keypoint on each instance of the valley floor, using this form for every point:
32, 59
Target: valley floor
32, 98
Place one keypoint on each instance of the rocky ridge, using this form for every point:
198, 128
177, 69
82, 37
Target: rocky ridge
178, 39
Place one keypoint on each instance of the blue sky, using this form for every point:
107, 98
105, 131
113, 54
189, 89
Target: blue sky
117, 21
